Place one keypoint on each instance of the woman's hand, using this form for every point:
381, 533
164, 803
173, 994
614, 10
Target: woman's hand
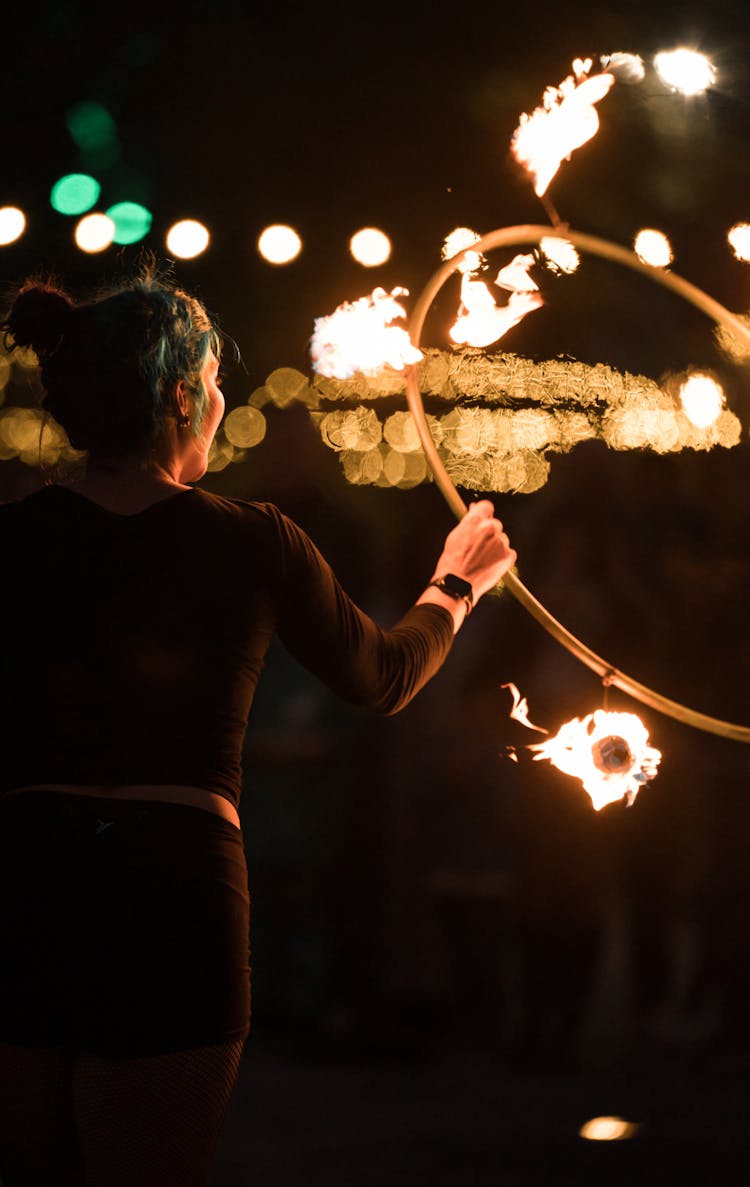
478, 551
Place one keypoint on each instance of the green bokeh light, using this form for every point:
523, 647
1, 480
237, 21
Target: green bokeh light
74, 194
132, 221
91, 126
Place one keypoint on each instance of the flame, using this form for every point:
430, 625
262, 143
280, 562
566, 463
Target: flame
566, 120
481, 321
608, 752
739, 241
702, 399
460, 238
628, 67
520, 710
559, 254
359, 337
653, 248
515, 275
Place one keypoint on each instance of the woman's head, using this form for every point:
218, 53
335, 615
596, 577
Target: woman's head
122, 371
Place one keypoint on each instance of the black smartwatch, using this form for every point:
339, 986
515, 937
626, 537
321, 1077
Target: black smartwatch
456, 587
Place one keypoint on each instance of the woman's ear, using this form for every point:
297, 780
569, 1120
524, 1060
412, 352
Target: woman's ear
182, 401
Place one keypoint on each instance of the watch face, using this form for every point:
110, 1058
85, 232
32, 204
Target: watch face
457, 586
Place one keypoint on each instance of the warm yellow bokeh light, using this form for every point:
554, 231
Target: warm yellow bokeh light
245, 427
370, 247
739, 241
607, 1129
653, 248
279, 244
187, 239
94, 232
685, 70
12, 224
702, 399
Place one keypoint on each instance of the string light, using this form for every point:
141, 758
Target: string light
94, 233
12, 224
370, 247
685, 70
187, 239
279, 244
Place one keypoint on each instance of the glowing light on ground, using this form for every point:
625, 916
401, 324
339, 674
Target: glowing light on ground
460, 238
359, 337
608, 752
702, 399
12, 224
279, 244
370, 247
559, 254
187, 239
95, 232
739, 241
607, 1129
653, 248
685, 70
566, 120
132, 221
75, 193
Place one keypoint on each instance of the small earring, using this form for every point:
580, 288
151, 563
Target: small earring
183, 420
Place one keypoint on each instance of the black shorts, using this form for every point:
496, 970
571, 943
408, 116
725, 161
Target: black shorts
124, 926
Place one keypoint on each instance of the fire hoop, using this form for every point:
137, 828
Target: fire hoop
514, 236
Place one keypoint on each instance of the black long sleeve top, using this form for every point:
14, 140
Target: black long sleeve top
132, 645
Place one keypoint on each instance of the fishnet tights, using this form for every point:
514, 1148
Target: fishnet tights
85, 1121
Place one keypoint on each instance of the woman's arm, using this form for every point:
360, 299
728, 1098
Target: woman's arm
366, 665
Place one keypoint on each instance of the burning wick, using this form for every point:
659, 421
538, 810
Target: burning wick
608, 752
359, 337
566, 120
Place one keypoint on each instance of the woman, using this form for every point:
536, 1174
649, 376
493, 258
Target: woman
138, 611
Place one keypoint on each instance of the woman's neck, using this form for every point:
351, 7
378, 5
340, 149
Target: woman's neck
127, 487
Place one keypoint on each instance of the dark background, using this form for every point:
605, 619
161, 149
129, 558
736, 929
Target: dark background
466, 926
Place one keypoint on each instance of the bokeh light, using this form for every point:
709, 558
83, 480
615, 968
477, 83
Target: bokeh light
95, 232
279, 244
92, 127
245, 427
739, 241
187, 239
132, 221
75, 193
702, 398
607, 1129
370, 247
653, 247
12, 224
685, 70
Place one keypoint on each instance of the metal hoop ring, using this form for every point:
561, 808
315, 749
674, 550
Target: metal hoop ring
514, 236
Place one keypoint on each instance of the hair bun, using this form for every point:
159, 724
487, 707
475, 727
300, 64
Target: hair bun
39, 317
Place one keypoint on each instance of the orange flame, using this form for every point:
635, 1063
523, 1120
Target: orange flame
359, 337
608, 752
481, 321
566, 120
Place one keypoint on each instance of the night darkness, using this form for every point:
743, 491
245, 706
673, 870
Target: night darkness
456, 961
